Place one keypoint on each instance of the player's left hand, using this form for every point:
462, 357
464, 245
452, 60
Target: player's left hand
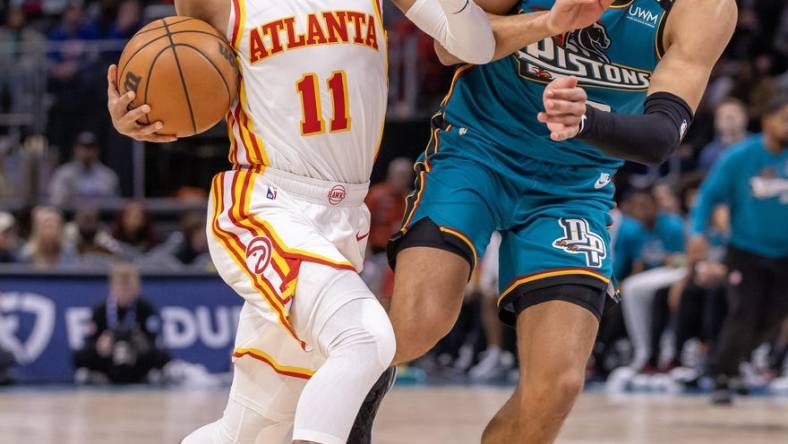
565, 106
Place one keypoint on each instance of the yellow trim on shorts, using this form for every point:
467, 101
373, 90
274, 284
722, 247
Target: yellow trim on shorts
286, 370
236, 254
551, 274
463, 238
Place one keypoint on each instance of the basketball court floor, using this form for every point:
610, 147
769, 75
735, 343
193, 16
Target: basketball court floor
439, 415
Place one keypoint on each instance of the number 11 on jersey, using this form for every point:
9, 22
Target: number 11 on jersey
312, 122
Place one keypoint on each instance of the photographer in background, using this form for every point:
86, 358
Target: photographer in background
121, 347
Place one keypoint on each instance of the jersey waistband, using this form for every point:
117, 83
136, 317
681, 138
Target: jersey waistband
317, 191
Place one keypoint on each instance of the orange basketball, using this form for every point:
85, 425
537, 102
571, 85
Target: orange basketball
184, 70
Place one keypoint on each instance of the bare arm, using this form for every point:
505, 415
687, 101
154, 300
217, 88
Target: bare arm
514, 32
460, 26
492, 6
214, 12
511, 33
696, 34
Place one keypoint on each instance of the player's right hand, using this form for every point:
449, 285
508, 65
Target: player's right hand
124, 120
568, 15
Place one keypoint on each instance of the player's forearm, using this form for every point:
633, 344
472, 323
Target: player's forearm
514, 32
511, 32
460, 26
648, 138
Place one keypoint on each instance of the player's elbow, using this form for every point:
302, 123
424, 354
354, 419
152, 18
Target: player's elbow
479, 52
446, 58
660, 153
477, 49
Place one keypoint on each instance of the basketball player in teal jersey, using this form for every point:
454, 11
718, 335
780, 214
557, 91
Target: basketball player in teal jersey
527, 146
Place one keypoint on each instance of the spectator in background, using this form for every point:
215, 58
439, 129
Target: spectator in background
74, 25
46, 249
134, 229
752, 178
186, 248
386, 203
20, 46
8, 241
648, 246
74, 78
667, 201
93, 245
84, 177
127, 19
122, 344
730, 124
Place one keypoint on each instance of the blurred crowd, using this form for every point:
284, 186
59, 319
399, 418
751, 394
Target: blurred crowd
675, 301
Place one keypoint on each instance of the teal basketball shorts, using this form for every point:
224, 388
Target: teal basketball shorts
553, 220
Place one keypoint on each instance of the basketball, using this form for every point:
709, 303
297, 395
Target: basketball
184, 70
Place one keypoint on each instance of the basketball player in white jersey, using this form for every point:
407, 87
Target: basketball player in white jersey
287, 225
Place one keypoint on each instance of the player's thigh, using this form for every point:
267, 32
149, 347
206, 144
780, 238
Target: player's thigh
555, 340
329, 298
446, 228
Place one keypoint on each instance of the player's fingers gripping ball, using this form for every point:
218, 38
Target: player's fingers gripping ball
184, 70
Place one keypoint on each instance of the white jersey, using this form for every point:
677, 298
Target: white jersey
314, 86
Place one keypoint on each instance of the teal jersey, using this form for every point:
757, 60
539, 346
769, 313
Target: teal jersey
754, 183
613, 60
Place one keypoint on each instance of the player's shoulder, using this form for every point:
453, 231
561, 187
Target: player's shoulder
710, 8
711, 20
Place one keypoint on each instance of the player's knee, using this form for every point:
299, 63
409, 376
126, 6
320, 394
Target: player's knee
424, 320
556, 390
416, 337
385, 343
370, 335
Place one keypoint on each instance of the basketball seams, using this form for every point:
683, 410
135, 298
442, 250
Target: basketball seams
148, 79
187, 19
188, 31
180, 73
216, 68
122, 69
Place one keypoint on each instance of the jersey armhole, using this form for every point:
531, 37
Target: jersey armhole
659, 39
235, 24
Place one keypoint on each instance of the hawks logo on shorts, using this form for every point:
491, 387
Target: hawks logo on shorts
258, 254
579, 239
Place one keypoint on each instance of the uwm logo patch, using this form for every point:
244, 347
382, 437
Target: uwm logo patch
581, 53
579, 239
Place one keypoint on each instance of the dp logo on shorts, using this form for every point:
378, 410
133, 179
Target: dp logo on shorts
579, 239
258, 254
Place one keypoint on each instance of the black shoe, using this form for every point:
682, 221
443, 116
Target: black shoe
722, 394
361, 433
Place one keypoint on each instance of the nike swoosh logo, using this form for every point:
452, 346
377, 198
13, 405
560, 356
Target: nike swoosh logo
603, 180
362, 237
